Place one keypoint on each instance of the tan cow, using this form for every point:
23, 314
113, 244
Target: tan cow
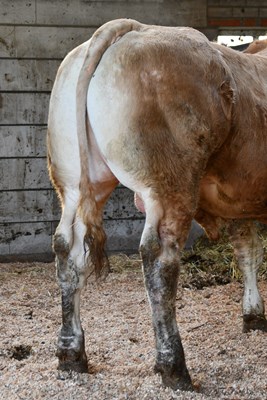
183, 123
256, 46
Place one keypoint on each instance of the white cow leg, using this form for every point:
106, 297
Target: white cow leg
160, 256
72, 272
74, 264
71, 265
249, 253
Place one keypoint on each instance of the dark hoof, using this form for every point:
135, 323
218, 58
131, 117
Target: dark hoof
254, 322
173, 378
71, 354
71, 360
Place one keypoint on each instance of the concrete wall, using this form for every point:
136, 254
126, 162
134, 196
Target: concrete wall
34, 37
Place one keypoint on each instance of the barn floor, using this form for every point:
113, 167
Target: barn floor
224, 363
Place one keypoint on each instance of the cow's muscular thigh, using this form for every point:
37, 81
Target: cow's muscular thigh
164, 233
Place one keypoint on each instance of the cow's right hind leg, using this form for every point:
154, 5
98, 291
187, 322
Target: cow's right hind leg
164, 234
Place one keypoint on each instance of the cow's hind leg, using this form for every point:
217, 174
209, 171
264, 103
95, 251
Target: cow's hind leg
74, 265
249, 253
68, 247
71, 271
164, 233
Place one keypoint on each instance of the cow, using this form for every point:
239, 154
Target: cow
257, 46
180, 121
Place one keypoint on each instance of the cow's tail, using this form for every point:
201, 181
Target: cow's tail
91, 214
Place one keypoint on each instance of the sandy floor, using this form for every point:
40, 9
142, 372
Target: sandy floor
224, 363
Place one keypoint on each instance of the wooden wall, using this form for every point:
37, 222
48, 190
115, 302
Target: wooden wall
34, 37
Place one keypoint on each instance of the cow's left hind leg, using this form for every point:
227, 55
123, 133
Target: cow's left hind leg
72, 271
249, 253
74, 264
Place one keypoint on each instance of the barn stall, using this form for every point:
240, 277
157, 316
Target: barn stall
223, 362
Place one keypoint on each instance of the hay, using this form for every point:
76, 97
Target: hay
209, 263
120, 263
206, 264
217, 258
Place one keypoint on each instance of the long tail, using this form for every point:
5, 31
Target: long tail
95, 236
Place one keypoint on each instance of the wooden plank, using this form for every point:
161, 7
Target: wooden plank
25, 238
23, 141
7, 41
230, 3
95, 13
43, 205
56, 41
41, 41
17, 12
123, 235
29, 206
27, 75
245, 12
24, 108
67, 12
184, 13
215, 12
121, 205
28, 173
36, 238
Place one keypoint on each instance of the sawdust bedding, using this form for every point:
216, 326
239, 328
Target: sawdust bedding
224, 363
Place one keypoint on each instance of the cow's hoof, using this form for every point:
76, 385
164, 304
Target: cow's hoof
71, 354
252, 322
71, 360
173, 378
80, 366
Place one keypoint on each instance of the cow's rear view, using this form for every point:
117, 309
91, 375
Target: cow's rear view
149, 107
